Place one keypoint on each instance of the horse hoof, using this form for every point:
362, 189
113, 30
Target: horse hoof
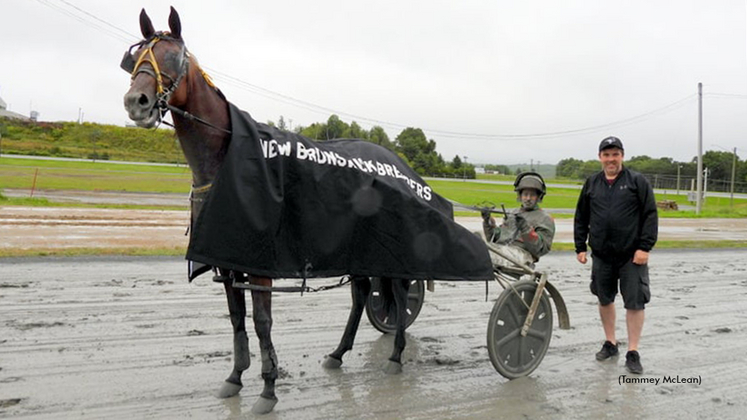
331, 362
392, 368
264, 405
228, 390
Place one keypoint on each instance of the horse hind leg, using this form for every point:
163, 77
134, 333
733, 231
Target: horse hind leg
400, 289
360, 287
241, 361
262, 314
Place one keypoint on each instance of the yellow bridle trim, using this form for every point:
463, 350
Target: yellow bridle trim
152, 60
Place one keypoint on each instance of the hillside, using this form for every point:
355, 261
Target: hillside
88, 141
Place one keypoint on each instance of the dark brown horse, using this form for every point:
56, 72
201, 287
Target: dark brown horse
166, 77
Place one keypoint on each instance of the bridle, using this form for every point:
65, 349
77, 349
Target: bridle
163, 94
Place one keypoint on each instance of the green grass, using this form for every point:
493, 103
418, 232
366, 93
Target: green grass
474, 193
93, 176
43, 202
76, 252
104, 176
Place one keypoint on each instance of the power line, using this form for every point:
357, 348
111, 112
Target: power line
87, 22
726, 95
127, 34
116, 32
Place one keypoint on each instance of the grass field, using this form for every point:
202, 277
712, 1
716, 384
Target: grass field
93, 176
106, 176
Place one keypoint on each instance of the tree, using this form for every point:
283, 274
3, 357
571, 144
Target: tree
335, 127
410, 142
718, 163
589, 168
316, 131
3, 131
355, 131
378, 135
456, 163
569, 168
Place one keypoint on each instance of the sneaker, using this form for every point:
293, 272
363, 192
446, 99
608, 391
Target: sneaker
608, 350
633, 362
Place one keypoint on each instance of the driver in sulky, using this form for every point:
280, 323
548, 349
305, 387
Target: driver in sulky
526, 232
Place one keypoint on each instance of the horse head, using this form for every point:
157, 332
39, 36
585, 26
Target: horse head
166, 77
158, 67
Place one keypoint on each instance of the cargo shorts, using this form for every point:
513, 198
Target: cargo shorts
631, 280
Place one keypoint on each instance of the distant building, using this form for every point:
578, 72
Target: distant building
479, 170
10, 114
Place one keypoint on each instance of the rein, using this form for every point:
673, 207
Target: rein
163, 106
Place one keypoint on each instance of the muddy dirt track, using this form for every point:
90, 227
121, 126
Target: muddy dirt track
55, 228
128, 337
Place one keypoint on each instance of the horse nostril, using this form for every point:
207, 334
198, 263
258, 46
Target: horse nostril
143, 100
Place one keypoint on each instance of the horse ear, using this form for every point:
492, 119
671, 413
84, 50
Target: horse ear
146, 26
175, 25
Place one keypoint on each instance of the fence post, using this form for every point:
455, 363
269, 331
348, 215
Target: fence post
33, 185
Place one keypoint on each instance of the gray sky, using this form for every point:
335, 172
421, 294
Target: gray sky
480, 77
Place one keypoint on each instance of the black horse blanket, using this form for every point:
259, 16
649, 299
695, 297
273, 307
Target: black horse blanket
284, 206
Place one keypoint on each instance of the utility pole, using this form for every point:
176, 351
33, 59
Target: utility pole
678, 178
733, 175
699, 171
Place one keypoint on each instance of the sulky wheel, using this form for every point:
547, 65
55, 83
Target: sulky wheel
513, 355
380, 307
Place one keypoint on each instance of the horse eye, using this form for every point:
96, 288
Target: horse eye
174, 59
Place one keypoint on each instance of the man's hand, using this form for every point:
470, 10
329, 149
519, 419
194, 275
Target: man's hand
487, 220
485, 215
640, 257
522, 225
581, 257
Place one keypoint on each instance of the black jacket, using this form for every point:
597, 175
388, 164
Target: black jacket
617, 219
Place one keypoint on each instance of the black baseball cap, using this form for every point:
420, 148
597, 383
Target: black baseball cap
610, 142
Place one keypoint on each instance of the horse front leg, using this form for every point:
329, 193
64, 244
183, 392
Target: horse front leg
360, 287
241, 360
262, 314
400, 289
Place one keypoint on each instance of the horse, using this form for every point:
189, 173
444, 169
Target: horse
166, 77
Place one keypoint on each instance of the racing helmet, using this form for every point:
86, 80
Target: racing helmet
530, 180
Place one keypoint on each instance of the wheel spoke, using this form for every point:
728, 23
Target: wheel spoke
538, 334
505, 340
516, 317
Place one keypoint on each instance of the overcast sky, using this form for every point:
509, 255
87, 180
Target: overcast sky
496, 81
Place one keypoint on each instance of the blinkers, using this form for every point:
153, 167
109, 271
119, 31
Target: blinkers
133, 65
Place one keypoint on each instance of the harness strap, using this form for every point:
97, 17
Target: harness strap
203, 189
187, 115
240, 284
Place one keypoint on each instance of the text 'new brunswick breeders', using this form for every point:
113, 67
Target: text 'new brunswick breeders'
273, 149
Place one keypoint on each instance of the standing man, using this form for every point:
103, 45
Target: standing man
616, 212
